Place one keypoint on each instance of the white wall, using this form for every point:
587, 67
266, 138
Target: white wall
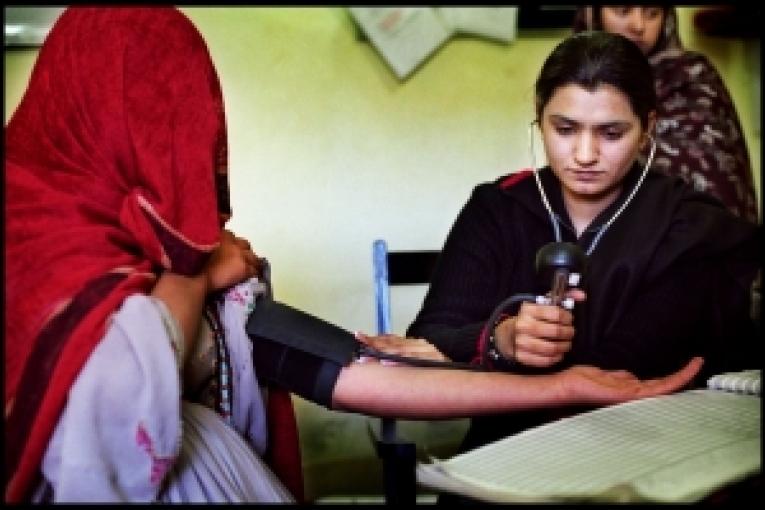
329, 151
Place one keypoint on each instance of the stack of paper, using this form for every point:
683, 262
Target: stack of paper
746, 381
498, 23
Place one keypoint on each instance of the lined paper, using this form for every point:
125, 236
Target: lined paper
673, 448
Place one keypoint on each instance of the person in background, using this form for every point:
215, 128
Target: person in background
698, 133
128, 372
667, 269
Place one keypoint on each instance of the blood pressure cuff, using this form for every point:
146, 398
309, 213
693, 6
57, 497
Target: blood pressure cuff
297, 351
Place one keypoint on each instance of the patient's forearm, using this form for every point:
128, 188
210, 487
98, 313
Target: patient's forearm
184, 297
409, 392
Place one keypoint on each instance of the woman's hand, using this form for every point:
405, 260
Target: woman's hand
539, 335
590, 385
231, 263
409, 347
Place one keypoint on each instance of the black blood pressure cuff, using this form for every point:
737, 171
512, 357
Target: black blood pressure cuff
297, 351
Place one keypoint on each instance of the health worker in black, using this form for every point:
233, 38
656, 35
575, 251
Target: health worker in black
669, 270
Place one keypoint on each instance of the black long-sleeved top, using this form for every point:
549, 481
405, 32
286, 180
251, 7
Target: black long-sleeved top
671, 278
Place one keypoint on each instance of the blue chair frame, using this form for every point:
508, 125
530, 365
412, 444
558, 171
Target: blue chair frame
397, 268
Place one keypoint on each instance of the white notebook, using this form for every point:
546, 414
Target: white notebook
675, 448
746, 381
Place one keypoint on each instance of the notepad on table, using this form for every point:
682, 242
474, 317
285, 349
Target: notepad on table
746, 381
674, 448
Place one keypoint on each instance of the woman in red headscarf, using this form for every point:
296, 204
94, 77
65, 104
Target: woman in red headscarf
116, 194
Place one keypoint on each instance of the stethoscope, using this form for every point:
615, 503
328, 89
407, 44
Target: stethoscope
562, 262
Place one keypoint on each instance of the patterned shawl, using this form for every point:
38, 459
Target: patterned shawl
115, 170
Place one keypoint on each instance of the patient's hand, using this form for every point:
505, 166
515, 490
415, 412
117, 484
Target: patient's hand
410, 347
591, 385
231, 263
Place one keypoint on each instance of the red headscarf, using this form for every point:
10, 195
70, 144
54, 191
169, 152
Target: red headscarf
115, 170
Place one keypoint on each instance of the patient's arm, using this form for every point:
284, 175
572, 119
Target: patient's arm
232, 262
412, 392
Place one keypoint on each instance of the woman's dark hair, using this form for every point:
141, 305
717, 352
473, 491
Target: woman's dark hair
590, 59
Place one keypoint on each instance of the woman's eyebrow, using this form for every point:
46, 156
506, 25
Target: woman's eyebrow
558, 118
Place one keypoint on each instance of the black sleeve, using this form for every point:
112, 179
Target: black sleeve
467, 280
